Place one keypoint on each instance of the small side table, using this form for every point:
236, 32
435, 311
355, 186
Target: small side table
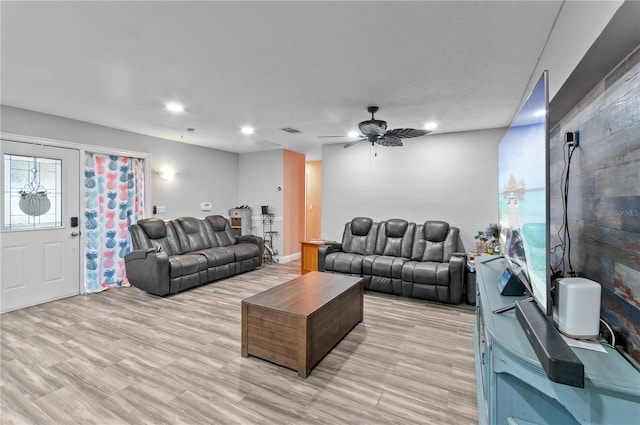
309, 255
470, 281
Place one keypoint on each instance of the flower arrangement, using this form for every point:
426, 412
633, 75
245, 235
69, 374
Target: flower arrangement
493, 230
487, 240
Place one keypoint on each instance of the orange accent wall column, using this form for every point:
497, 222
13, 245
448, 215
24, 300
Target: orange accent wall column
313, 200
293, 202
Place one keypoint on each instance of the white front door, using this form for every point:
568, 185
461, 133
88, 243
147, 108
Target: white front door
40, 242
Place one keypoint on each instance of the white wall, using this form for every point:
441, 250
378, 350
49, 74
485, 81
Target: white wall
260, 175
577, 27
202, 174
451, 177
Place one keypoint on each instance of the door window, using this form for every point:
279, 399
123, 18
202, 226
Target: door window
32, 192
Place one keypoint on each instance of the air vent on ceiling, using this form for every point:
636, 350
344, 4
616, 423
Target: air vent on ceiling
291, 130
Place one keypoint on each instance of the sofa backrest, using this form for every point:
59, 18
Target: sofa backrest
192, 233
155, 233
219, 231
435, 241
395, 238
359, 236
139, 239
182, 235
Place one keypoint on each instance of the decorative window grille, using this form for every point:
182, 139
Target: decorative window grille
32, 192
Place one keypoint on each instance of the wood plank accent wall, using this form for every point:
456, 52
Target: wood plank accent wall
604, 195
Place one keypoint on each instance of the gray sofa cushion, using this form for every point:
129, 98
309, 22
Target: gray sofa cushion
383, 265
426, 272
157, 234
153, 227
430, 281
383, 273
219, 231
434, 241
185, 264
344, 262
191, 233
358, 240
395, 238
244, 251
359, 236
217, 256
435, 234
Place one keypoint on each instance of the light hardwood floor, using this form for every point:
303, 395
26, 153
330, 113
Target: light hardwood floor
125, 357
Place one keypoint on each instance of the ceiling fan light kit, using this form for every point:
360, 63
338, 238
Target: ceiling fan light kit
375, 131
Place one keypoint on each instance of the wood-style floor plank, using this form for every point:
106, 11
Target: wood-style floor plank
127, 357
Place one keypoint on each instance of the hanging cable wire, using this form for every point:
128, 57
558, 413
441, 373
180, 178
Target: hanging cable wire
563, 231
613, 336
566, 218
560, 265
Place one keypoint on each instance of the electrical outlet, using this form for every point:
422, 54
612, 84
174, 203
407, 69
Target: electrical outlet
604, 332
571, 138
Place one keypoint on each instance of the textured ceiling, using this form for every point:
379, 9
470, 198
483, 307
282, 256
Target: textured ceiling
313, 66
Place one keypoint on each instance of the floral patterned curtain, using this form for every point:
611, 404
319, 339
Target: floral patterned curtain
114, 199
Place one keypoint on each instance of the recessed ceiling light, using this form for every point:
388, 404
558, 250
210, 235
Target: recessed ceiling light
353, 134
431, 125
175, 107
540, 113
247, 130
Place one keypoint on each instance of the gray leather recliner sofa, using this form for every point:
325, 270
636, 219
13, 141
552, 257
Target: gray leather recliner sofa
399, 257
171, 256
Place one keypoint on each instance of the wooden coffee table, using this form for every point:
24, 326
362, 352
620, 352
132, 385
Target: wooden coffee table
297, 323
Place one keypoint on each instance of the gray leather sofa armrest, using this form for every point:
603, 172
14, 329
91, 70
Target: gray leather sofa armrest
139, 254
456, 276
249, 238
324, 250
148, 270
252, 239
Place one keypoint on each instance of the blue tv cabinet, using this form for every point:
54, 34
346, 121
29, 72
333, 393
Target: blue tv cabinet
512, 385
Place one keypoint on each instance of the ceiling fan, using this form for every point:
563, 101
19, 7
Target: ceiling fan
375, 131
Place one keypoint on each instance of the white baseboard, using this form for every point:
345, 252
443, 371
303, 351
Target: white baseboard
289, 258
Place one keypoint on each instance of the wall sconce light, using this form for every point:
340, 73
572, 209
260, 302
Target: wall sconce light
167, 174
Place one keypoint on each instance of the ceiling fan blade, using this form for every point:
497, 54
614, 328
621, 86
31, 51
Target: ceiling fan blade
406, 133
348, 145
391, 141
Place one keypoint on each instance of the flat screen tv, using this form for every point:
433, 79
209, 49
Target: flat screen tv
523, 193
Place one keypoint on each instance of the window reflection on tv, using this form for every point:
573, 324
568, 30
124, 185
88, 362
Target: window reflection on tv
523, 176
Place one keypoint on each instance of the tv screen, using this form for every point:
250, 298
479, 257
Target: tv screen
523, 193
